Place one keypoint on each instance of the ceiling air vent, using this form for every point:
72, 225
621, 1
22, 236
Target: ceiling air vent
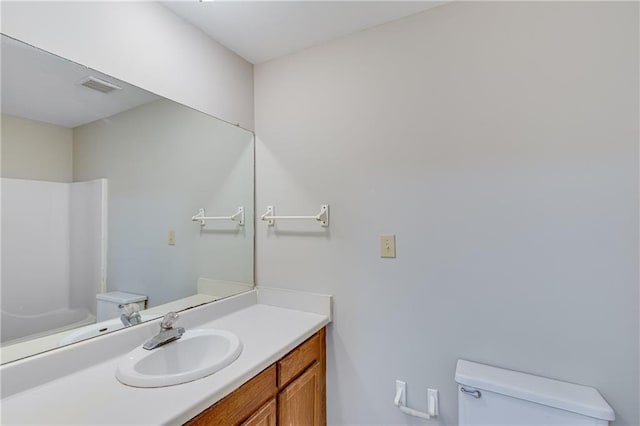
99, 85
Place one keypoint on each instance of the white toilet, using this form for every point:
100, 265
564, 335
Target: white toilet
495, 396
110, 304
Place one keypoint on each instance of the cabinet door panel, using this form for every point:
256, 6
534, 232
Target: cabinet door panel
299, 404
266, 416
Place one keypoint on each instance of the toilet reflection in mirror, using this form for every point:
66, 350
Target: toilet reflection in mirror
100, 181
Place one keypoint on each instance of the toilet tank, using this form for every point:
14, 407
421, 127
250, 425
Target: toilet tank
495, 396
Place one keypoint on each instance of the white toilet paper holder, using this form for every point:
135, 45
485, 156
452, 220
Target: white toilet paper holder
401, 402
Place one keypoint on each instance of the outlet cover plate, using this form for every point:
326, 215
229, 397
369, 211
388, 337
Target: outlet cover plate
388, 246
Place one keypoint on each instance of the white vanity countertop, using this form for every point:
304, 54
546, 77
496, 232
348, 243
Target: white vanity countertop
93, 396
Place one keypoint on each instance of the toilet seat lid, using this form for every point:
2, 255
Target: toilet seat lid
121, 297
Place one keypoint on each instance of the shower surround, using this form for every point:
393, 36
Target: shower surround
53, 255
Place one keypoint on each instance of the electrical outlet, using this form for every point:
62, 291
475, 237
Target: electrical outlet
172, 238
387, 246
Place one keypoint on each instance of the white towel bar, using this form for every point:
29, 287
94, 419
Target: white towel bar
322, 217
237, 217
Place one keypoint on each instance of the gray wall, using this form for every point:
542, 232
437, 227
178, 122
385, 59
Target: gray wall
163, 162
499, 142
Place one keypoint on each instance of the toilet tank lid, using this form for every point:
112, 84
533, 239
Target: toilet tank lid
121, 297
579, 399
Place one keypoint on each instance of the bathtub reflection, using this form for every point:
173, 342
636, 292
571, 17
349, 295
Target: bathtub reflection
19, 327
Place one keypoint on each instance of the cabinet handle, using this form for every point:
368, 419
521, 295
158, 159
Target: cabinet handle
474, 393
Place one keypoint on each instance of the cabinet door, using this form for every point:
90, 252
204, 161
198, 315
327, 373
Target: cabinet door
266, 416
300, 403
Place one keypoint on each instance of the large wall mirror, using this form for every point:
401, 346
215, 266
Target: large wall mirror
101, 181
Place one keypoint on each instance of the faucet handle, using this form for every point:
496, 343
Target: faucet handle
168, 320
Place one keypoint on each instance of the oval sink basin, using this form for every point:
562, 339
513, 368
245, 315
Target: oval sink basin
97, 329
197, 354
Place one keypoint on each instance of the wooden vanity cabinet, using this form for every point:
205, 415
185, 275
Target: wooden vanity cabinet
241, 403
290, 392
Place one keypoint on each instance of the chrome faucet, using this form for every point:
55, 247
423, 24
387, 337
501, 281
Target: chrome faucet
167, 332
131, 315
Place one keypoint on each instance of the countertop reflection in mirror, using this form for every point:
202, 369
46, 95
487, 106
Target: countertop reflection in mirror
100, 181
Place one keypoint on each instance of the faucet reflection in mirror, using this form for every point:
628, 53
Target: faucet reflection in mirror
93, 181
130, 315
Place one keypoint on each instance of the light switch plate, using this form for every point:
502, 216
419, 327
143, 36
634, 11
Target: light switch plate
171, 240
387, 246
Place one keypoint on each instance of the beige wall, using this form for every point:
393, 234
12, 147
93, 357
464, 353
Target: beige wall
35, 150
499, 142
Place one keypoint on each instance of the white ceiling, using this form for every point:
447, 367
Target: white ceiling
44, 87
263, 30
